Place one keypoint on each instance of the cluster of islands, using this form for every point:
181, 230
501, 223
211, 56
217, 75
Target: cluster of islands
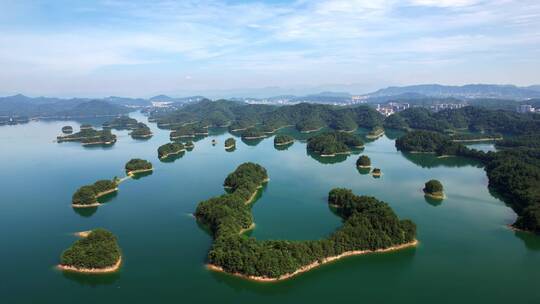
369, 225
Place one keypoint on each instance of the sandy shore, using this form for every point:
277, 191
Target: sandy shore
335, 154
314, 264
478, 139
230, 147
284, 143
133, 172
112, 268
434, 196
363, 167
96, 204
251, 227
254, 137
310, 131
252, 197
374, 136
172, 153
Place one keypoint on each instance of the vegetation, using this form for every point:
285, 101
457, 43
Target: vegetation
189, 145
141, 131
363, 162
189, 130
369, 224
89, 136
123, 122
88, 195
282, 139
332, 143
170, 149
253, 133
240, 116
98, 250
138, 165
376, 172
434, 189
376, 132
464, 137
67, 129
514, 174
230, 143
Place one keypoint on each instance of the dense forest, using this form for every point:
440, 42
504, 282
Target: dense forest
141, 131
363, 161
369, 224
332, 143
90, 136
98, 250
67, 129
434, 188
170, 149
137, 164
189, 130
513, 173
123, 122
88, 195
282, 139
230, 143
239, 116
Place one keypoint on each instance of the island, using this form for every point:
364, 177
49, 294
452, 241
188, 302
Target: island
434, 189
375, 133
86, 127
253, 133
141, 131
230, 143
369, 226
363, 162
67, 129
189, 145
89, 136
169, 149
283, 140
333, 143
189, 131
96, 252
123, 122
87, 196
137, 165
376, 172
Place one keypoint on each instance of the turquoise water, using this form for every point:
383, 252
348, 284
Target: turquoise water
466, 252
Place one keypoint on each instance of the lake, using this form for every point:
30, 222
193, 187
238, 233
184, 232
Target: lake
467, 254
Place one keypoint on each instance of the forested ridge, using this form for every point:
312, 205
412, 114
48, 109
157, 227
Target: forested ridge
88, 195
369, 224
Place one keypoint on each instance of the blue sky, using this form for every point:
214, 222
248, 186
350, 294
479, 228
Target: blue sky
143, 48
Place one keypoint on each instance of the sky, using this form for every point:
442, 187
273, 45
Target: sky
136, 48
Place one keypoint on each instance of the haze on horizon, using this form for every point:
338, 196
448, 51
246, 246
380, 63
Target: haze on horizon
142, 48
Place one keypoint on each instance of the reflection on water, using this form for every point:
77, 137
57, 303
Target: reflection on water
428, 160
328, 160
530, 240
171, 158
252, 142
433, 202
92, 279
140, 175
283, 147
232, 149
363, 171
85, 212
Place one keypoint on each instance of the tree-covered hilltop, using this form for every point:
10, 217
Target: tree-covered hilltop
189, 131
88, 195
332, 143
476, 119
98, 250
253, 133
138, 165
369, 224
376, 172
141, 131
241, 116
363, 162
123, 122
89, 136
376, 132
434, 189
230, 143
523, 141
67, 129
282, 139
512, 173
170, 149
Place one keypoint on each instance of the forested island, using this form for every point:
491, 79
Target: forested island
96, 252
376, 172
67, 129
512, 173
189, 145
283, 140
137, 165
169, 149
434, 189
123, 122
253, 133
189, 131
88, 136
369, 226
332, 143
141, 131
87, 196
230, 143
375, 133
363, 162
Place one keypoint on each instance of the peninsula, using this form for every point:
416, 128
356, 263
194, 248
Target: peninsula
369, 226
96, 252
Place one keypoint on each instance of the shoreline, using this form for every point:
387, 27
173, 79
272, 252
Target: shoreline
96, 204
434, 196
314, 130
171, 153
335, 154
369, 136
285, 143
109, 269
478, 139
254, 137
363, 167
244, 230
313, 265
133, 172
230, 147
252, 197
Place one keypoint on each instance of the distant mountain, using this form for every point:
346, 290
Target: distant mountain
20, 105
465, 92
176, 101
534, 87
128, 102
